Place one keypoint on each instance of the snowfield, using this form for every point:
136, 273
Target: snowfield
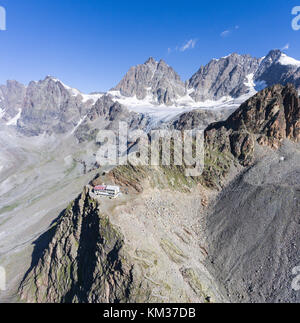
286, 60
164, 113
14, 120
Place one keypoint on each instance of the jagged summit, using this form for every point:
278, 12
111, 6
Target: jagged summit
274, 54
151, 60
50, 77
278, 57
155, 80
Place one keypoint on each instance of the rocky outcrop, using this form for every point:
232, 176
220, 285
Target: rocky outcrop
268, 118
272, 114
83, 262
154, 79
106, 114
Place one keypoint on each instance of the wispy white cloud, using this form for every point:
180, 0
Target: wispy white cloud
229, 31
225, 33
286, 47
188, 45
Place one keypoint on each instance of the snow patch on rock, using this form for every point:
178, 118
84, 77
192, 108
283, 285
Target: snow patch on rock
14, 120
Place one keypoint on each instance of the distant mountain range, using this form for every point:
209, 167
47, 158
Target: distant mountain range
231, 76
53, 107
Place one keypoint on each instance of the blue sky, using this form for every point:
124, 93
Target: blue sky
90, 44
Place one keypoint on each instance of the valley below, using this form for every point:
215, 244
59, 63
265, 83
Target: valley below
38, 179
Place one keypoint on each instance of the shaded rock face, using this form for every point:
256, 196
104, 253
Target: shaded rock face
156, 79
114, 112
224, 77
268, 118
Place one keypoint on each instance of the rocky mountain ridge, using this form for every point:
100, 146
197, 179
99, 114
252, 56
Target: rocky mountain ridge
51, 107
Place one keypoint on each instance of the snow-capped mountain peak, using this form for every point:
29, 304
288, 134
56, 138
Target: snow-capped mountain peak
152, 88
278, 57
286, 60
